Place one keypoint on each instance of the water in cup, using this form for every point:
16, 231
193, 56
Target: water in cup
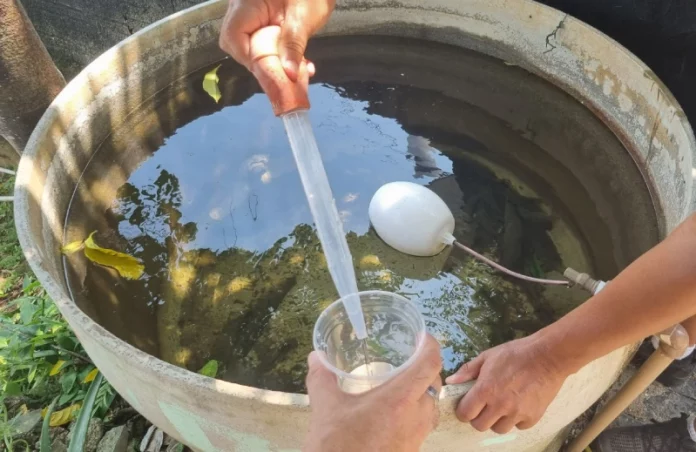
395, 329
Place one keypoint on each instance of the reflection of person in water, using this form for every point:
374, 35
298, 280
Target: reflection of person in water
516, 381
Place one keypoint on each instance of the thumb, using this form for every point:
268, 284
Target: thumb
414, 381
293, 42
469, 371
322, 385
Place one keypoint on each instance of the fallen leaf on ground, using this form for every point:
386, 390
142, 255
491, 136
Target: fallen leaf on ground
63, 416
91, 376
153, 440
23, 422
56, 368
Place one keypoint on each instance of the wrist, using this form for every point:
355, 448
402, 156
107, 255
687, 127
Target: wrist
560, 355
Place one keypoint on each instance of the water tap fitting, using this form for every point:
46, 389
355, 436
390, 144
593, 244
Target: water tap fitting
584, 280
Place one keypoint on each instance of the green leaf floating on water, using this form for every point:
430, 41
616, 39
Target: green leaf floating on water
210, 369
210, 84
127, 266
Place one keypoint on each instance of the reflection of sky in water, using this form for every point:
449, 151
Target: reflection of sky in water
238, 177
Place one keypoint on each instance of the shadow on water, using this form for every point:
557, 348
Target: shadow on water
206, 195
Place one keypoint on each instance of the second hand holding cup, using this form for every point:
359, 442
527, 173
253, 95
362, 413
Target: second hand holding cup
395, 335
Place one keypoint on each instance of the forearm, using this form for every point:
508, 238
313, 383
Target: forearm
655, 292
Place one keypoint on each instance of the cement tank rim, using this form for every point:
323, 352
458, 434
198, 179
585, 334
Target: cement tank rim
352, 17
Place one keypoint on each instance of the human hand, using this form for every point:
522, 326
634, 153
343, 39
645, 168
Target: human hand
298, 21
396, 416
515, 383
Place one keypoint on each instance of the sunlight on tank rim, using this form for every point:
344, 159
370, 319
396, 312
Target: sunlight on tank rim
213, 11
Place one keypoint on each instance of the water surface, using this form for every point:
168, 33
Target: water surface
207, 196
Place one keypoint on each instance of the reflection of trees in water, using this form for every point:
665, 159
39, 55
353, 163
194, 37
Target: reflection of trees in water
254, 310
150, 218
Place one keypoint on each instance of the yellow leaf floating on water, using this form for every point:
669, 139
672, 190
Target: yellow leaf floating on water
63, 416
127, 266
370, 261
210, 84
72, 247
91, 376
56, 368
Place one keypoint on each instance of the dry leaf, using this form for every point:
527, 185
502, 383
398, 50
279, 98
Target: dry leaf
127, 266
22, 423
91, 376
62, 417
56, 368
153, 440
157, 440
72, 247
210, 84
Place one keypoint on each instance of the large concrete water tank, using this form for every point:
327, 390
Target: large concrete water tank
212, 415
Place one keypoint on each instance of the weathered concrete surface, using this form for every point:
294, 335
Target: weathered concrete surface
28, 78
216, 415
77, 31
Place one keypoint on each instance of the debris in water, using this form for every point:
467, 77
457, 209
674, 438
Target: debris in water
72, 247
126, 265
210, 369
210, 84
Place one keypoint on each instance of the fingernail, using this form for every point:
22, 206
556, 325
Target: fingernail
313, 358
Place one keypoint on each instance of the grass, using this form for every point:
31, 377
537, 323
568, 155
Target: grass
40, 358
12, 264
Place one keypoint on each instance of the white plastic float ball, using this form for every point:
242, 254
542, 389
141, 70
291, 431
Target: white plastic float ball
411, 218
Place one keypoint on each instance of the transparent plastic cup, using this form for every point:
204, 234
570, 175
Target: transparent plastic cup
395, 329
